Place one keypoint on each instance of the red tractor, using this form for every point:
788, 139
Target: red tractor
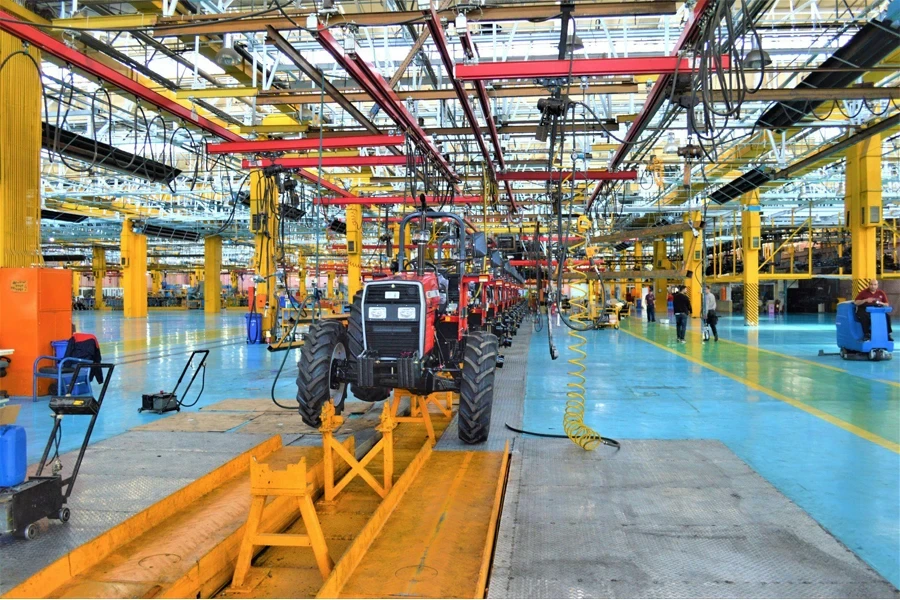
408, 331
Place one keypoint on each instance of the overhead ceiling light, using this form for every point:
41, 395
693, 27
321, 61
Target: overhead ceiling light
228, 56
671, 144
757, 59
574, 44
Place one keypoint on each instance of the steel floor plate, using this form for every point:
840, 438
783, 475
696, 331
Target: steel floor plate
509, 398
661, 519
119, 477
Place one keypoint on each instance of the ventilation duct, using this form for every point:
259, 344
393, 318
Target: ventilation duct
171, 233
871, 44
747, 182
103, 155
54, 215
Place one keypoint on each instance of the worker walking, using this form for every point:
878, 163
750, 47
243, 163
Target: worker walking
682, 306
650, 299
709, 309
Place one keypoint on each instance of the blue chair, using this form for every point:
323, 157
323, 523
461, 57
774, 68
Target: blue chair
62, 371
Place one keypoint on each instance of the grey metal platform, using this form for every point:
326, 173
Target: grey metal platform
661, 519
120, 476
509, 398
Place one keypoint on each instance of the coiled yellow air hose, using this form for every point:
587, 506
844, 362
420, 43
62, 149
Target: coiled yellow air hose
573, 418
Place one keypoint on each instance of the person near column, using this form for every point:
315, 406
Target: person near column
709, 309
871, 296
650, 300
681, 304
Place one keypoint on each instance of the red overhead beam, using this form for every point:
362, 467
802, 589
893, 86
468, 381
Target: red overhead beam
326, 161
657, 94
568, 175
324, 183
380, 91
44, 42
261, 146
581, 67
397, 200
484, 101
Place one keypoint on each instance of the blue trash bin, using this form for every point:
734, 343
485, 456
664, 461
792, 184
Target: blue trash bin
254, 328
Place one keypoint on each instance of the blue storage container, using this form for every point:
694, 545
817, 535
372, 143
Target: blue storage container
13, 455
59, 348
254, 328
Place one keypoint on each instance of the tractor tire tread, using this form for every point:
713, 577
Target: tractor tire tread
476, 393
314, 369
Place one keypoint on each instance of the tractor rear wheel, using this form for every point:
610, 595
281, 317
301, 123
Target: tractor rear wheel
476, 394
355, 345
324, 349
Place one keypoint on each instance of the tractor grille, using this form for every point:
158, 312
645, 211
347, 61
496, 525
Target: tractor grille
393, 337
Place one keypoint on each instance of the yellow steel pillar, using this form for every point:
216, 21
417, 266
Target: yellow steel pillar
354, 250
76, 283
623, 283
212, 280
156, 278
638, 265
134, 271
235, 282
264, 225
693, 263
329, 289
20, 156
863, 207
750, 235
661, 286
98, 267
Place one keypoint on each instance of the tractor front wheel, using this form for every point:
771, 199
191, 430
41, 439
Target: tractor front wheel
476, 395
323, 357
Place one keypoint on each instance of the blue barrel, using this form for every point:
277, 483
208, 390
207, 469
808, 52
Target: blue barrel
13, 455
254, 328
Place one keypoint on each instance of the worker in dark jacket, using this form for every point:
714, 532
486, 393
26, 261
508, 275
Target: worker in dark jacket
682, 305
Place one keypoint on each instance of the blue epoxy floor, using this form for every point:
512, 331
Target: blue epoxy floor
837, 458
149, 355
638, 390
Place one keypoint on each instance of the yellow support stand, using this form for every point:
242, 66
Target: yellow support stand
442, 400
418, 411
330, 446
265, 482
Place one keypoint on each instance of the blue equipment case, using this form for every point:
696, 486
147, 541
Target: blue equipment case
850, 333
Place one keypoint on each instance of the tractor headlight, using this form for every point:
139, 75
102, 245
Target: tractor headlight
406, 312
377, 312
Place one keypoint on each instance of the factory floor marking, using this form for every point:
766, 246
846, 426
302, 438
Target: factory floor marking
859, 431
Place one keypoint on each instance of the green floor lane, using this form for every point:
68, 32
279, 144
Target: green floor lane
866, 407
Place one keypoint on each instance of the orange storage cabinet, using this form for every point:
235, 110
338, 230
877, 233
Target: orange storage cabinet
35, 308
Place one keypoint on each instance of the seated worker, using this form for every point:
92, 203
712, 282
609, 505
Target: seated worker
871, 296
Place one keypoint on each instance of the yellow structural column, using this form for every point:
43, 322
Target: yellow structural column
354, 250
329, 289
638, 264
661, 286
156, 278
750, 239
212, 280
264, 225
693, 263
76, 284
134, 271
98, 267
20, 156
863, 206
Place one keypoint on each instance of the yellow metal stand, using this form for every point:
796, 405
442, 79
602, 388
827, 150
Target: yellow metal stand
330, 446
442, 400
418, 411
265, 482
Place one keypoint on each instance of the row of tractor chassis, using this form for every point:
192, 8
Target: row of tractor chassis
435, 345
